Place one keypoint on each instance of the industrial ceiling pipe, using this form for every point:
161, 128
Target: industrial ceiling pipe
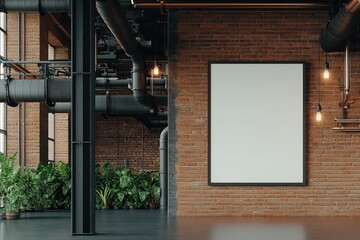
111, 12
101, 81
52, 90
123, 105
335, 36
41, 6
164, 168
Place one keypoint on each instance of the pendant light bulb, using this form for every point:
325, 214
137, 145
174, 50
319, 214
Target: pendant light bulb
318, 116
318, 113
156, 70
326, 71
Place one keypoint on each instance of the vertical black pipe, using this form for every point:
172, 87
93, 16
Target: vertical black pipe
164, 168
83, 117
114, 18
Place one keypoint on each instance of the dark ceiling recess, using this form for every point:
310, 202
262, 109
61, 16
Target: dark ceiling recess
149, 27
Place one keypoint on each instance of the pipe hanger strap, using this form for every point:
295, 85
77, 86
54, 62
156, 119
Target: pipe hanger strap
46, 93
8, 100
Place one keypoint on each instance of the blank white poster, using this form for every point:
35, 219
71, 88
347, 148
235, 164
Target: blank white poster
256, 117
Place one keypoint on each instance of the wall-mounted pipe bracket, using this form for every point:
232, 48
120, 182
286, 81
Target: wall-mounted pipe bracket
46, 90
44, 71
7, 88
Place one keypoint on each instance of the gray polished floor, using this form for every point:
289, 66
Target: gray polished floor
152, 224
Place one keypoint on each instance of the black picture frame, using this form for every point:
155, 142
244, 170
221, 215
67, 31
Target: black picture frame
304, 182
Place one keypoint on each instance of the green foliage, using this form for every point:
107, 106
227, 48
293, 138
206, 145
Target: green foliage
130, 189
105, 196
13, 186
50, 186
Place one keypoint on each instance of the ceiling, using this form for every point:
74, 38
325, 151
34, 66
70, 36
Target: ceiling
150, 28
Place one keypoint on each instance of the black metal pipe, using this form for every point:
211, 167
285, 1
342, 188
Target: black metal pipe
58, 90
335, 36
164, 168
111, 13
122, 105
125, 82
35, 6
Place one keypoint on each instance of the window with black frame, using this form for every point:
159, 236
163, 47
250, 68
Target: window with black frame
3, 39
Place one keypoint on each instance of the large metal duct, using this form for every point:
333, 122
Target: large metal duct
164, 168
111, 13
35, 6
335, 36
54, 90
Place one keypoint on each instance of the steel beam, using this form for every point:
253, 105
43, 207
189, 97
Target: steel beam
83, 117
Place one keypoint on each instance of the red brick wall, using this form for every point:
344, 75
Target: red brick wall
333, 166
126, 142
32, 110
62, 120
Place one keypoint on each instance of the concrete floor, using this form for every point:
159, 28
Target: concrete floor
152, 224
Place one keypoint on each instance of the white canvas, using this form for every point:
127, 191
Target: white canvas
257, 123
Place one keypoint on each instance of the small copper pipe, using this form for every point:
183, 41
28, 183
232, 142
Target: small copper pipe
346, 120
347, 129
353, 6
230, 5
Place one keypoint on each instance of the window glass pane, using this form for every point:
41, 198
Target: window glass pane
2, 142
2, 111
2, 71
51, 123
51, 150
51, 53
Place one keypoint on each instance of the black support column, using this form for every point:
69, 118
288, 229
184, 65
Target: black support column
83, 117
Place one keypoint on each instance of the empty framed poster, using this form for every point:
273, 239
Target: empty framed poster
257, 123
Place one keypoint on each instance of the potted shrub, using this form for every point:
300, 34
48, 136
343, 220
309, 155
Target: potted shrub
13, 187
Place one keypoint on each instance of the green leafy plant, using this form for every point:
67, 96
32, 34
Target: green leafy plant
155, 189
13, 186
35, 187
62, 198
105, 196
49, 186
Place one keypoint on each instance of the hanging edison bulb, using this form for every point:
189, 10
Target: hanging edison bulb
326, 70
318, 113
156, 70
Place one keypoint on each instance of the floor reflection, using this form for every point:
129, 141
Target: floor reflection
258, 232
156, 225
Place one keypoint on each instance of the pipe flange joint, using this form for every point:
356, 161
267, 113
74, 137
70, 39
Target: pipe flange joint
107, 84
9, 102
2, 6
46, 93
137, 70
